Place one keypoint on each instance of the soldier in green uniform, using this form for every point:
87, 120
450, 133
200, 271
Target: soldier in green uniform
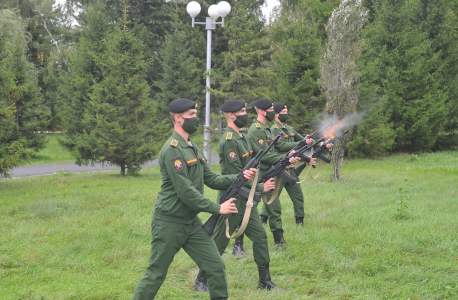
235, 151
261, 134
290, 139
175, 223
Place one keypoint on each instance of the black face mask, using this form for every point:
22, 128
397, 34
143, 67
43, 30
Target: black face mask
283, 117
270, 115
241, 121
190, 125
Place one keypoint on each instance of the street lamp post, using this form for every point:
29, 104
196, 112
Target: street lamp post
214, 11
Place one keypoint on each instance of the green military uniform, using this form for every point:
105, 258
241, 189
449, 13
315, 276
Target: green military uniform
289, 140
175, 223
262, 135
235, 151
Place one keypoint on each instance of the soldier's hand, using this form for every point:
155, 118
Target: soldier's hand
294, 160
313, 161
250, 174
228, 207
309, 141
329, 146
269, 185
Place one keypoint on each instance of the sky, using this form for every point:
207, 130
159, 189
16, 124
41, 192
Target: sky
270, 5
266, 9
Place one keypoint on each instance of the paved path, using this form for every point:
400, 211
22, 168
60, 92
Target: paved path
25, 171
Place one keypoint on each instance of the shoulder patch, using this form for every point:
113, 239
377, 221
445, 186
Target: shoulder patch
276, 126
292, 134
229, 136
257, 125
174, 143
261, 142
178, 164
285, 135
232, 155
203, 159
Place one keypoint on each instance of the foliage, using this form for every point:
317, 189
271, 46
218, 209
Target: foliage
409, 66
179, 78
242, 68
296, 36
339, 75
19, 114
116, 124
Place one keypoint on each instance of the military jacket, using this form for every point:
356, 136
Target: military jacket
289, 139
184, 172
261, 135
235, 152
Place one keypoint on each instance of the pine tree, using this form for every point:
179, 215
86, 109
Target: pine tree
16, 89
405, 68
179, 77
117, 116
240, 72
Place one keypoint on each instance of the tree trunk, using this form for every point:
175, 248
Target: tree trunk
123, 170
337, 155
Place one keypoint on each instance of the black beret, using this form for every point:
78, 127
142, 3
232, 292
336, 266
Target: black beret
278, 107
263, 103
180, 105
233, 105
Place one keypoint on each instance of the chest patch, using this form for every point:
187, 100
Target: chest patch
191, 161
232, 155
261, 142
178, 164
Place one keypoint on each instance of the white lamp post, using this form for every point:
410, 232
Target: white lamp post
214, 11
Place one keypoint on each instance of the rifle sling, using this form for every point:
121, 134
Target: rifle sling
274, 195
246, 216
309, 168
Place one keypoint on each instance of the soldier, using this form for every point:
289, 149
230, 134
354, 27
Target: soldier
175, 223
289, 140
235, 151
261, 134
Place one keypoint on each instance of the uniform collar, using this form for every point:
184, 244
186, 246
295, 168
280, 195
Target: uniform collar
181, 140
235, 134
278, 124
262, 124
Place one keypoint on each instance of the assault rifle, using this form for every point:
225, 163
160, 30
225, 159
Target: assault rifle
237, 187
303, 143
279, 168
319, 152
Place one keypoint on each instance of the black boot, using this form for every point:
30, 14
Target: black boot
201, 282
264, 219
299, 220
264, 279
238, 246
278, 237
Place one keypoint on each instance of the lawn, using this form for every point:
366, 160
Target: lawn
55, 153
86, 236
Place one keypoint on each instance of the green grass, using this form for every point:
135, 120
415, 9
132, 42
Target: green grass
86, 236
53, 152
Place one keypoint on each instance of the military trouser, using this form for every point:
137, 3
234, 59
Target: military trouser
273, 211
254, 231
167, 239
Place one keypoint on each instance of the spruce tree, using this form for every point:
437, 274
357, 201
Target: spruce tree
405, 71
117, 115
179, 77
17, 92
